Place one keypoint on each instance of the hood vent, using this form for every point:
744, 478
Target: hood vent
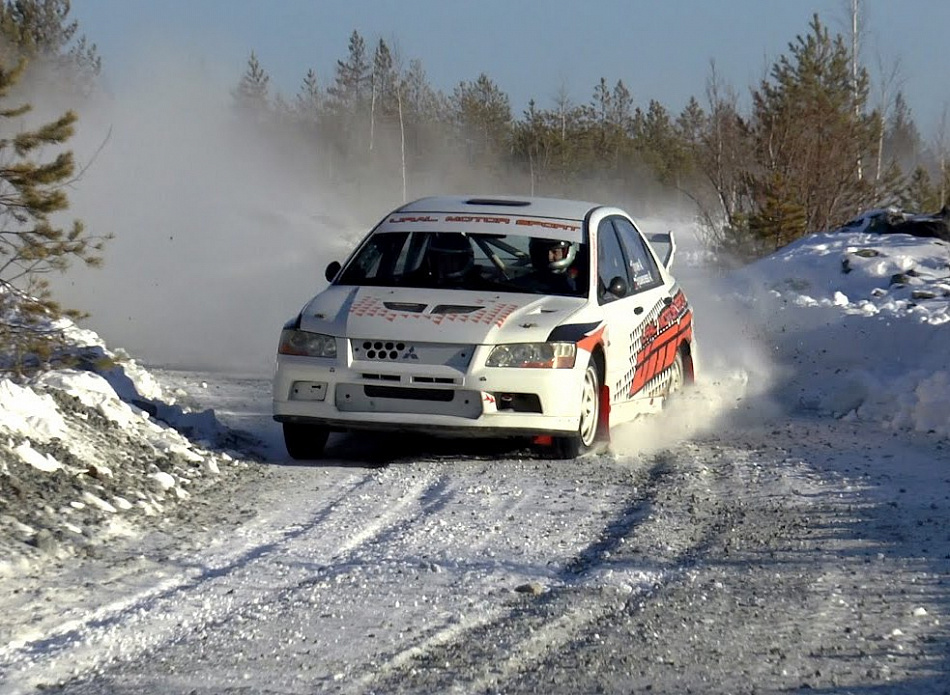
405, 306
455, 309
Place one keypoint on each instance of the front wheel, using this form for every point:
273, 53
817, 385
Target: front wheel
305, 442
576, 444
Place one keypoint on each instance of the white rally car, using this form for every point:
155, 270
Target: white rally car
492, 317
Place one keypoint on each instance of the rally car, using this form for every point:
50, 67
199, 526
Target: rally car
492, 317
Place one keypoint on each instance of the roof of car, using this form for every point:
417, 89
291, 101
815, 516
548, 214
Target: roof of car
500, 204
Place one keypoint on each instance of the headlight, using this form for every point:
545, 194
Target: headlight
295, 342
533, 355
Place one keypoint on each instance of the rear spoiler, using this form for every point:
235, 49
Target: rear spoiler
665, 247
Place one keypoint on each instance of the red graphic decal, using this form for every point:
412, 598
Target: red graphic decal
489, 398
604, 423
590, 341
477, 218
671, 313
372, 307
545, 224
660, 342
400, 220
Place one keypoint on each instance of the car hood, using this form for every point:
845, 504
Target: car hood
437, 316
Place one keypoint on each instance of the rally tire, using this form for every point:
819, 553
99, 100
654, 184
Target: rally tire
572, 446
677, 376
305, 442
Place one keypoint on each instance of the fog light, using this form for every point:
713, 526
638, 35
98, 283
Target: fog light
308, 391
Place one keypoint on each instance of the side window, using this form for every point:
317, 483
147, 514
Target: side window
610, 261
642, 268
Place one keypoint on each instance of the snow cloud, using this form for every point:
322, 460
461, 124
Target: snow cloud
218, 240
733, 365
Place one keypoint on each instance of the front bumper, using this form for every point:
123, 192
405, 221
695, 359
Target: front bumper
444, 399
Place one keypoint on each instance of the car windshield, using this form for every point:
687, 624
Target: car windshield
488, 262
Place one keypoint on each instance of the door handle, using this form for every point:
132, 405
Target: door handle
638, 310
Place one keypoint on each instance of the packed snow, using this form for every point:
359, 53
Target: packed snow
852, 325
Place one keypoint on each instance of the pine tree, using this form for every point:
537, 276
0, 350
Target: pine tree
534, 142
352, 82
811, 133
384, 80
483, 118
902, 143
660, 144
308, 101
779, 220
41, 32
31, 246
426, 123
251, 96
692, 122
602, 106
384, 83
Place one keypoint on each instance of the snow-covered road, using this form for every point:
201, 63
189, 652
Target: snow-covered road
782, 527
771, 555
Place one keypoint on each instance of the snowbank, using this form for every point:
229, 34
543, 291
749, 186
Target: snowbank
87, 454
862, 324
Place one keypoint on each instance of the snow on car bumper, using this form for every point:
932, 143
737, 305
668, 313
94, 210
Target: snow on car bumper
428, 398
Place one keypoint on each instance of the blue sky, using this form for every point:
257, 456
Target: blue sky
661, 49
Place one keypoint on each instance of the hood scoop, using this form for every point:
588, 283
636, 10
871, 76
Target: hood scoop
455, 309
405, 306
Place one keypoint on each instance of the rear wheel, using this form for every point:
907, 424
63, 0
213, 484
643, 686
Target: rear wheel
576, 444
305, 442
677, 375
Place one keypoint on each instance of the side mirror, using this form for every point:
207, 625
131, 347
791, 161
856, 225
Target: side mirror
618, 287
332, 270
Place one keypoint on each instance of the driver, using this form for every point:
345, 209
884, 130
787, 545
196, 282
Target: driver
552, 258
450, 256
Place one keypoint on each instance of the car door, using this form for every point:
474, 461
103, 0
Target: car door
652, 350
632, 293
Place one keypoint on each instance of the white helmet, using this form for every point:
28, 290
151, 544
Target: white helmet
540, 250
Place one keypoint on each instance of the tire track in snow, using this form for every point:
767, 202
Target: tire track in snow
495, 647
127, 627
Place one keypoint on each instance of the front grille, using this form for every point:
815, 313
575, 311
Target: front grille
441, 395
382, 377
390, 351
433, 380
384, 350
383, 399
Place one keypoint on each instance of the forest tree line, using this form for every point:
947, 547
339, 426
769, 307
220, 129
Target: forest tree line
812, 150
